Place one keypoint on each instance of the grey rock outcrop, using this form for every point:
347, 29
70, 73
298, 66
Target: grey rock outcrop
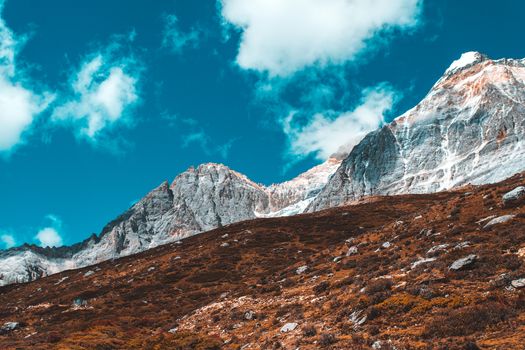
514, 197
198, 200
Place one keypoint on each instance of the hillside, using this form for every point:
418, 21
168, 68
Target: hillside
432, 271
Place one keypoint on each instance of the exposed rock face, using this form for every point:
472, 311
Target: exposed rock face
470, 128
514, 197
198, 200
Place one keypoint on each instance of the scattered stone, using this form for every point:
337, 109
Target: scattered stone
89, 273
426, 232
349, 241
488, 218
249, 315
377, 345
288, 327
225, 245
421, 261
500, 281
173, 330
9, 327
520, 283
499, 220
352, 251
514, 197
357, 318
301, 269
151, 269
521, 252
462, 245
386, 245
225, 235
463, 262
61, 280
437, 248
337, 259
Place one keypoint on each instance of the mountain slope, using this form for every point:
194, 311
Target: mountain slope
470, 128
198, 200
433, 271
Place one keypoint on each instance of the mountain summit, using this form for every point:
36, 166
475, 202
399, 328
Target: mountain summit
470, 128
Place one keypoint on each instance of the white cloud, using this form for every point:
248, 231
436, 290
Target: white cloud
49, 237
103, 92
284, 36
204, 142
8, 241
325, 136
19, 105
174, 39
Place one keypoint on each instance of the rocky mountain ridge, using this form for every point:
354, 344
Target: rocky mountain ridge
198, 200
470, 128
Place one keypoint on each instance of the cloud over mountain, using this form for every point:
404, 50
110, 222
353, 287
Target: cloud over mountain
281, 37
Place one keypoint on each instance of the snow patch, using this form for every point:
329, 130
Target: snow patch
466, 59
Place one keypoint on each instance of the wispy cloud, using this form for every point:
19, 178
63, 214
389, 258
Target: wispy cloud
201, 139
331, 133
19, 103
281, 37
7, 240
175, 39
102, 94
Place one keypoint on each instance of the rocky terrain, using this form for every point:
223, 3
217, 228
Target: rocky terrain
427, 271
470, 128
198, 200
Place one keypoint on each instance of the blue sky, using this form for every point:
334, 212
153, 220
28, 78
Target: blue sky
101, 101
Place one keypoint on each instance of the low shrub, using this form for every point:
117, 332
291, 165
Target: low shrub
467, 320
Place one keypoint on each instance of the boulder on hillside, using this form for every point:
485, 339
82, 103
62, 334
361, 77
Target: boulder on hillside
9, 327
514, 197
462, 263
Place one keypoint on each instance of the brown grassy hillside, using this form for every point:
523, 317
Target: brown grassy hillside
238, 286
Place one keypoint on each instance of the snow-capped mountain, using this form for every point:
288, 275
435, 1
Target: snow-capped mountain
198, 200
470, 128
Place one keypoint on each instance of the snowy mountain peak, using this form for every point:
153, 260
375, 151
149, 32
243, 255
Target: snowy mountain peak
466, 60
470, 128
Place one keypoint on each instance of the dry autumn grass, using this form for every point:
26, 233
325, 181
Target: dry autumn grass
394, 290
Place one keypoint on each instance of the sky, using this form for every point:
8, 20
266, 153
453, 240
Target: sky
101, 101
